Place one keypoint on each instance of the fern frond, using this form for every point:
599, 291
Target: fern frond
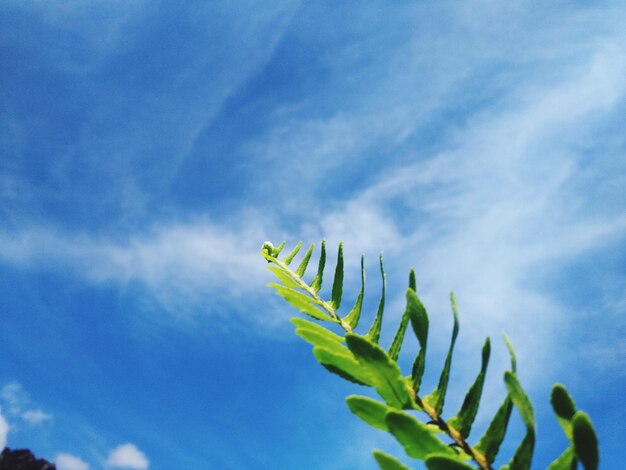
361, 360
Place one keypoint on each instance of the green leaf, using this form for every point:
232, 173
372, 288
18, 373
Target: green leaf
317, 338
374, 333
369, 410
520, 400
585, 441
412, 281
464, 419
302, 302
523, 455
353, 317
445, 462
385, 373
509, 346
437, 398
338, 281
564, 408
396, 344
387, 462
293, 253
283, 275
419, 322
343, 364
398, 339
316, 284
276, 251
305, 261
317, 330
566, 461
490, 442
418, 441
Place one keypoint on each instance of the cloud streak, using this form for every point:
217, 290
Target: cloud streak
182, 266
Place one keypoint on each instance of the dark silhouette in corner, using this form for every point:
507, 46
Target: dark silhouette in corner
22, 459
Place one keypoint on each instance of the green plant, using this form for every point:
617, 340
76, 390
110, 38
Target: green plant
360, 359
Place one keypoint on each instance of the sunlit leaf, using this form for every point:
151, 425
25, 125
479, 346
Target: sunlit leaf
293, 253
418, 441
520, 400
384, 373
585, 441
338, 281
387, 462
369, 410
343, 364
283, 275
437, 398
302, 302
353, 317
317, 338
509, 346
464, 419
317, 329
398, 339
305, 261
374, 333
523, 455
316, 284
419, 322
276, 250
490, 442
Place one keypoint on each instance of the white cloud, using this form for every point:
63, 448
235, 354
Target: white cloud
13, 396
184, 267
506, 200
16, 400
127, 456
35, 417
4, 430
70, 462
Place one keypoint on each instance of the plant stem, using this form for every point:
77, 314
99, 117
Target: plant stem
454, 434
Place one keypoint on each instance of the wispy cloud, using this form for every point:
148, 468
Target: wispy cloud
185, 267
35, 417
17, 401
507, 199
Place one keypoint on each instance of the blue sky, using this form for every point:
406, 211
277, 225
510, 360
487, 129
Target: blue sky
149, 148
